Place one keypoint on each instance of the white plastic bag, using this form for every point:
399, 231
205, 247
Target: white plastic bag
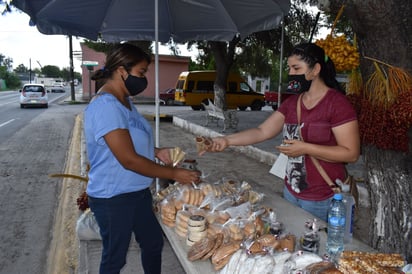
87, 227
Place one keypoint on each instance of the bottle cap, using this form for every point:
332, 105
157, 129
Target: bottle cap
337, 196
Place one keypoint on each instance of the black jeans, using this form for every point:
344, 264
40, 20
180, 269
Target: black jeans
118, 217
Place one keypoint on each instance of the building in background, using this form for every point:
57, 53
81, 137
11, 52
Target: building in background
170, 67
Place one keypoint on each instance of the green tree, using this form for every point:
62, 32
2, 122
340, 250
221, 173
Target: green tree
21, 69
51, 71
11, 79
6, 61
65, 74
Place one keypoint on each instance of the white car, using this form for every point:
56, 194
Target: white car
33, 95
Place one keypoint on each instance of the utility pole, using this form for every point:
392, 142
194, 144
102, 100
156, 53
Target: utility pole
29, 70
73, 96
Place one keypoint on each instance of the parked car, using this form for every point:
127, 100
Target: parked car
58, 83
33, 95
59, 89
271, 98
167, 97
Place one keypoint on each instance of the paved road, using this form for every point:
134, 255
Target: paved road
32, 146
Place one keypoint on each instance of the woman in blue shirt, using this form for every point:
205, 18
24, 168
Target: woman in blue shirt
121, 153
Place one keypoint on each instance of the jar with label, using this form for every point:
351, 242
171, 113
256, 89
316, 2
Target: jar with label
189, 164
310, 239
310, 242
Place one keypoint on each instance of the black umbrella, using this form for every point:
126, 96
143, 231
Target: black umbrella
182, 20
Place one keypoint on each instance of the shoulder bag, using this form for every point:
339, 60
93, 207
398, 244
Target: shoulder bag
335, 187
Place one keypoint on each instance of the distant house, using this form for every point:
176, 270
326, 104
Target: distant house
48, 81
2, 84
26, 77
170, 67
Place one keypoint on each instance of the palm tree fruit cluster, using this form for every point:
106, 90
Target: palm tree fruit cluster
83, 201
384, 106
344, 55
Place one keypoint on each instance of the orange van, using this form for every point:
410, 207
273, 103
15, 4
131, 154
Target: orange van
195, 87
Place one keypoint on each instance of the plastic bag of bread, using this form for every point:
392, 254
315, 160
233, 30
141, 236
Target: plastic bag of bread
221, 203
300, 260
163, 193
230, 186
222, 216
223, 254
288, 242
254, 247
258, 223
187, 194
241, 211
214, 189
235, 229
182, 218
249, 229
176, 155
168, 212
215, 228
323, 267
203, 144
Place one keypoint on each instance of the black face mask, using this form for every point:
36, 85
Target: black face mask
134, 84
298, 84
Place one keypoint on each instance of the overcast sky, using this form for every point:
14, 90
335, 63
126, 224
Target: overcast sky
25, 44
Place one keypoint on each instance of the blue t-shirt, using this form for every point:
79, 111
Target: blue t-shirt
107, 177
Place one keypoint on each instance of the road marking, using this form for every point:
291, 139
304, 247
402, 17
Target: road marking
8, 122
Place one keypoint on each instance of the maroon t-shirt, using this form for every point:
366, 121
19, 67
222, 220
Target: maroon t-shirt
302, 178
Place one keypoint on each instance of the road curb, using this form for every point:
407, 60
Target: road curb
63, 255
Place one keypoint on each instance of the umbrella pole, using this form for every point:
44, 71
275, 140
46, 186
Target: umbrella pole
281, 64
157, 114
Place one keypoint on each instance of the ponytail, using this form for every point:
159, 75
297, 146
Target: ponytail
328, 74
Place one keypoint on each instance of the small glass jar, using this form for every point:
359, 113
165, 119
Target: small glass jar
310, 242
189, 164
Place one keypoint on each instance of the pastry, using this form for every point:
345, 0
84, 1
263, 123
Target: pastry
218, 243
200, 248
223, 253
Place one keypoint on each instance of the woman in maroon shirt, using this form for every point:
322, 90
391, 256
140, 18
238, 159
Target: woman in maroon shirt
328, 125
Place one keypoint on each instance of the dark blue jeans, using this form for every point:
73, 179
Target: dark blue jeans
118, 217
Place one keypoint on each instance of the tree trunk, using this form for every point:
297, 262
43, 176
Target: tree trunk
389, 177
384, 32
224, 54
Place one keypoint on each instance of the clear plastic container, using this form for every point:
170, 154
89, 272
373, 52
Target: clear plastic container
336, 226
349, 202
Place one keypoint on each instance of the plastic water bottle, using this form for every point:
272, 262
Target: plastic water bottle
349, 202
336, 226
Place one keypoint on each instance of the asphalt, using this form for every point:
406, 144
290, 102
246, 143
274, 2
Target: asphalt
178, 128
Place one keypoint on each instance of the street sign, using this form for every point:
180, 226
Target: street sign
90, 63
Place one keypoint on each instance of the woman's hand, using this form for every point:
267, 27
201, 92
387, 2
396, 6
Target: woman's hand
186, 176
163, 154
292, 148
218, 144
